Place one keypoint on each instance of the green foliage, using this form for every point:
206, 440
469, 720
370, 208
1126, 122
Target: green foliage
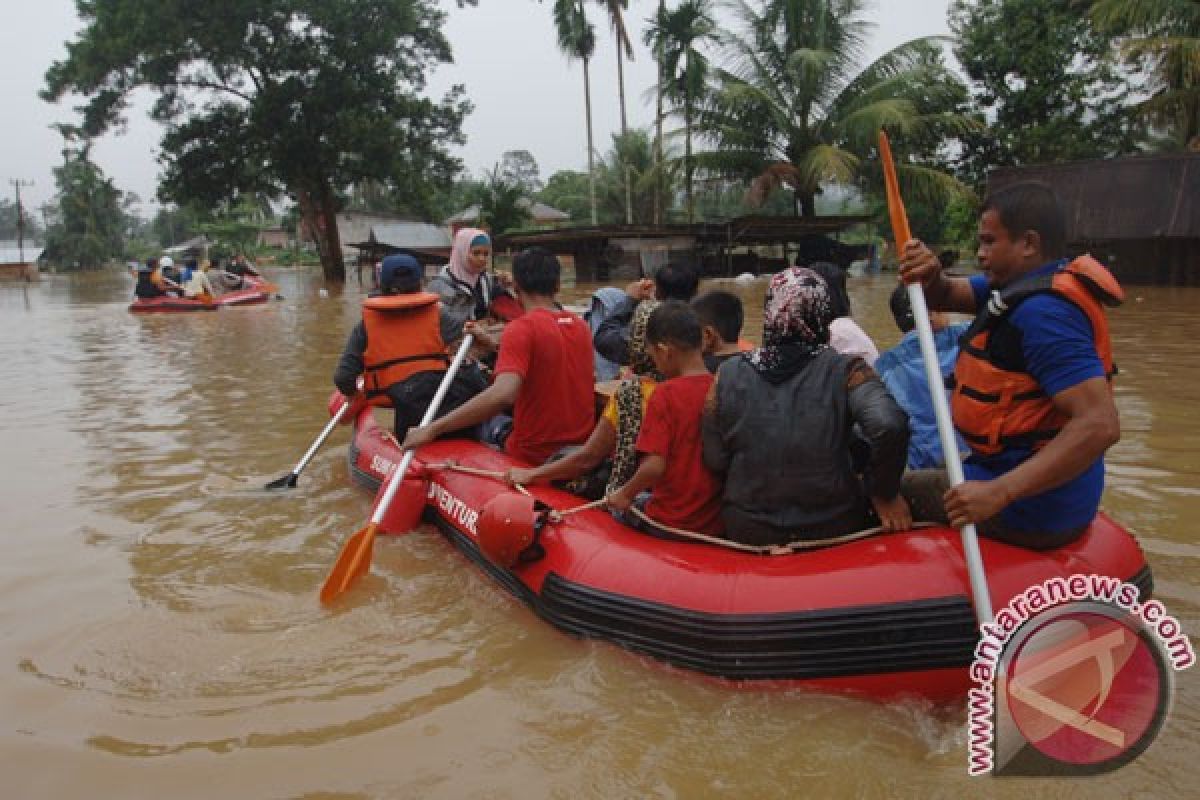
1162, 37
796, 109
90, 224
1047, 81
503, 205
567, 191
519, 167
628, 172
298, 96
8, 222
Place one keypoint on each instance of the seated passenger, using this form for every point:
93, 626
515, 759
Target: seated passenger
684, 494
616, 432
902, 370
778, 428
721, 316
465, 286
543, 373
198, 287
164, 277
672, 281
845, 335
606, 301
398, 350
147, 287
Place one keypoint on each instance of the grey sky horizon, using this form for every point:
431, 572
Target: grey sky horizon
526, 95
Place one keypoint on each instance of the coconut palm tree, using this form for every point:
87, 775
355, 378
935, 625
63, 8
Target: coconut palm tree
577, 40
796, 109
677, 37
654, 37
616, 17
628, 179
1165, 34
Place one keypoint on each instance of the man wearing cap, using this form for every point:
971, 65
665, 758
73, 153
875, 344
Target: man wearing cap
398, 349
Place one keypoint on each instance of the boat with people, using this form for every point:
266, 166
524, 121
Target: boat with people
254, 291
884, 615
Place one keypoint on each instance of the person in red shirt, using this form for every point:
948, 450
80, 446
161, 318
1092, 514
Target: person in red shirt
684, 493
543, 373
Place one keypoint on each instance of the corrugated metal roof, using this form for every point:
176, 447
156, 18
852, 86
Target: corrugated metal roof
1136, 197
540, 212
11, 254
411, 235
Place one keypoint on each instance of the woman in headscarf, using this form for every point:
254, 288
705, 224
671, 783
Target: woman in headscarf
465, 286
845, 335
778, 424
585, 470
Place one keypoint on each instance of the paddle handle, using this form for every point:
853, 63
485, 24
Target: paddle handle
981, 597
397, 477
320, 440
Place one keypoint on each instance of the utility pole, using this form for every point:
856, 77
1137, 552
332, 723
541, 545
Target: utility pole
17, 184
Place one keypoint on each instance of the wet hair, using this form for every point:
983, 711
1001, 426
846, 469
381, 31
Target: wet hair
675, 281
675, 323
723, 311
1031, 206
902, 309
536, 270
835, 281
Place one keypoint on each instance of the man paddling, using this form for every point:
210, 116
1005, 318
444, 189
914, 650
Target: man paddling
1032, 396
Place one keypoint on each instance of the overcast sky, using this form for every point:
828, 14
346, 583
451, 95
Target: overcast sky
526, 95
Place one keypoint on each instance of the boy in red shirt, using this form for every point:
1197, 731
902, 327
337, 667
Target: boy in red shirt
685, 494
543, 373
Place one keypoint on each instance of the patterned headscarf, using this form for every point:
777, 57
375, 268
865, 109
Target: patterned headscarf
796, 318
463, 241
639, 354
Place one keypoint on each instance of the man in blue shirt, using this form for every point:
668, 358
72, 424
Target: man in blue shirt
1036, 471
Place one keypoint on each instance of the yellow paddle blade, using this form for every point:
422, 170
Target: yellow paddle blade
353, 562
895, 205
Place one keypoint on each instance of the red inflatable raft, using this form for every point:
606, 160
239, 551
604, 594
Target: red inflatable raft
884, 616
252, 292
143, 305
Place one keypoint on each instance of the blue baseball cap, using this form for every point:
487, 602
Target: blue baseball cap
399, 270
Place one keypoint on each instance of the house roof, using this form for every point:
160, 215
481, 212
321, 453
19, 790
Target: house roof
539, 211
10, 252
1135, 197
410, 236
195, 243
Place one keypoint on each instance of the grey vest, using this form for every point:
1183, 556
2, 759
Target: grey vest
785, 452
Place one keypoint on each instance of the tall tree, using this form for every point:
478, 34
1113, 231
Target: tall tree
655, 38
1047, 80
577, 40
616, 18
1165, 36
567, 191
627, 179
680, 34
521, 168
89, 228
299, 96
796, 108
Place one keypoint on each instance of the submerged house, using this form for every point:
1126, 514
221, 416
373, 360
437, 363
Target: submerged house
19, 260
1139, 215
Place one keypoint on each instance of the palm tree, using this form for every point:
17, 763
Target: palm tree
1166, 35
577, 40
795, 109
677, 36
655, 38
629, 181
616, 18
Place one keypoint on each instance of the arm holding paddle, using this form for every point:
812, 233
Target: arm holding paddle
497, 398
918, 264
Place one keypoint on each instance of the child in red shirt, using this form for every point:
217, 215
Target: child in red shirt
685, 494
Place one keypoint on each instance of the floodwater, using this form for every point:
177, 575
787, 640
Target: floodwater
160, 634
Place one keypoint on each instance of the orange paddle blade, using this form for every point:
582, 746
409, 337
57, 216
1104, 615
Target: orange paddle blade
353, 562
895, 205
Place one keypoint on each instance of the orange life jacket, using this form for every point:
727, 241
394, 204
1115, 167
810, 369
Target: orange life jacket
996, 403
403, 338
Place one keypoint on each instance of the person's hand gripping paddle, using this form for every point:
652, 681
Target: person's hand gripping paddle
933, 374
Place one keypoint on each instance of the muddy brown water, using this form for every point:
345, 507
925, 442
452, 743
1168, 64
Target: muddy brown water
160, 634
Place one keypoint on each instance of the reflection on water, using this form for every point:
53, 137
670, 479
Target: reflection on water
158, 610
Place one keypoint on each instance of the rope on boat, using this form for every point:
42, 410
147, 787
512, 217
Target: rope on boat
799, 545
